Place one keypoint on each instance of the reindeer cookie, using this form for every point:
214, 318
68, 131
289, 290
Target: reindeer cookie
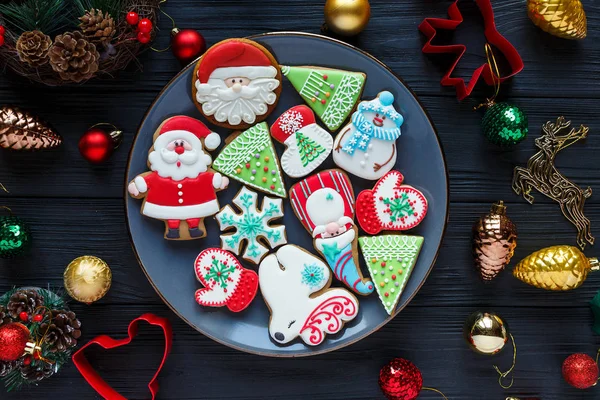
295, 286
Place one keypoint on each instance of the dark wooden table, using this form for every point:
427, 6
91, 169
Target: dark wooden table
77, 209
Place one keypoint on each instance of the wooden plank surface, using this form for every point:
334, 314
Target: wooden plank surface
76, 209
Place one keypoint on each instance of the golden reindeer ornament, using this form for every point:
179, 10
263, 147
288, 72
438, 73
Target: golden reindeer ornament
542, 175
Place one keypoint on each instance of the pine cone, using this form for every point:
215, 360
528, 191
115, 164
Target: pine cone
64, 330
24, 300
33, 47
41, 370
7, 366
97, 27
74, 57
4, 317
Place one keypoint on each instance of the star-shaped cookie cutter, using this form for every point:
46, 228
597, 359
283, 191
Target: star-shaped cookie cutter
429, 28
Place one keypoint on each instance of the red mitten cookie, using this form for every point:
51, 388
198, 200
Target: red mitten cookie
390, 206
226, 282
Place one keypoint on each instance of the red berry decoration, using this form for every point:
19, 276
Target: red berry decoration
38, 318
1, 40
13, 339
99, 142
400, 380
132, 18
580, 370
143, 38
23, 316
187, 45
145, 25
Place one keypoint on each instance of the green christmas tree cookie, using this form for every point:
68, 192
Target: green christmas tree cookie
390, 260
251, 159
331, 93
308, 149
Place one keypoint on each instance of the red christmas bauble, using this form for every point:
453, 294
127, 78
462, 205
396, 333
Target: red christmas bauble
132, 18
13, 339
580, 371
187, 44
99, 142
400, 380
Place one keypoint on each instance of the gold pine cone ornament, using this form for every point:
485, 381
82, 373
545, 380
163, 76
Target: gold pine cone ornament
87, 279
562, 18
556, 268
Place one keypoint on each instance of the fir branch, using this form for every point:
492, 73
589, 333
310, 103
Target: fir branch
113, 7
4, 299
48, 16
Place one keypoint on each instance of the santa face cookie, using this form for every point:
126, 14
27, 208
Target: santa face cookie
251, 225
331, 93
236, 83
390, 260
249, 157
367, 146
390, 206
294, 284
307, 144
180, 189
324, 203
226, 283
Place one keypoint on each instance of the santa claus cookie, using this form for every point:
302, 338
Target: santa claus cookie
331, 93
251, 225
249, 157
367, 146
324, 203
295, 286
390, 260
180, 189
236, 83
307, 144
226, 283
390, 206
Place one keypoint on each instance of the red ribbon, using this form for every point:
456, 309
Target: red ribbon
106, 342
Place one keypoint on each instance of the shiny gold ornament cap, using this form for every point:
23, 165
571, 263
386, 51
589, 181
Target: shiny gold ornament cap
87, 279
347, 17
562, 18
498, 208
486, 333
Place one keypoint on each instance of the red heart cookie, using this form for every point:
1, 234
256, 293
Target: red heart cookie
390, 206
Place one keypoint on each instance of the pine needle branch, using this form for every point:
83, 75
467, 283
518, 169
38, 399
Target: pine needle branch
48, 16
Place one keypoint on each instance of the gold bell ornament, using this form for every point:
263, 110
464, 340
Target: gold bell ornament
87, 279
347, 17
563, 18
556, 268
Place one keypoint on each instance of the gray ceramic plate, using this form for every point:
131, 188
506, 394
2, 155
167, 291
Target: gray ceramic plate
169, 265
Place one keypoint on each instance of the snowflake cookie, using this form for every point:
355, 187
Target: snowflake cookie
226, 282
251, 225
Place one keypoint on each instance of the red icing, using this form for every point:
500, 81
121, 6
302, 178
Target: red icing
308, 118
327, 317
184, 123
232, 53
164, 191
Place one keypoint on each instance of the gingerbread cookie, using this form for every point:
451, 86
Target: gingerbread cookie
390, 206
295, 286
324, 203
251, 225
367, 146
181, 188
236, 83
390, 260
225, 281
331, 93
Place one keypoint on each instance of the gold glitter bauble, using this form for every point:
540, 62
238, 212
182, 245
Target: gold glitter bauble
563, 18
486, 333
347, 17
87, 279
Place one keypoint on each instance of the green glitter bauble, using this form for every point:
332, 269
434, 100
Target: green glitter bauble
15, 237
505, 124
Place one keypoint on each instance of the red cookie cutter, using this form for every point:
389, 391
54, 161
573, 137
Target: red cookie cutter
429, 27
106, 342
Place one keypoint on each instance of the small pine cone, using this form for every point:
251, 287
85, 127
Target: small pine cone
7, 366
24, 300
4, 317
63, 332
97, 27
33, 47
74, 57
35, 373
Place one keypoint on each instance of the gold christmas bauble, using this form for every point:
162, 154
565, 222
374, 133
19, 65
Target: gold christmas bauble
87, 279
486, 333
347, 17
563, 18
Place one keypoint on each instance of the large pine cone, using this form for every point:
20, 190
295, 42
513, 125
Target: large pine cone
24, 300
63, 332
74, 57
98, 27
7, 366
33, 47
4, 317
41, 370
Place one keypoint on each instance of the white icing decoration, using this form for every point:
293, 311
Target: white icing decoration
216, 291
291, 161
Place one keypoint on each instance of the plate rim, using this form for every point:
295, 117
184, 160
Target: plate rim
334, 347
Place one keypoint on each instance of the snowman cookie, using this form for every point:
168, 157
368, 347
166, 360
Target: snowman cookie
295, 286
307, 144
367, 146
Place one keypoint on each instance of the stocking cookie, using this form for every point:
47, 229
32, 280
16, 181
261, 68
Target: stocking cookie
307, 144
236, 83
331, 93
251, 159
295, 286
366, 147
324, 203
225, 281
251, 225
180, 189
390, 206
390, 260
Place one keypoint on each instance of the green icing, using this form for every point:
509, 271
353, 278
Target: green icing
334, 103
390, 260
308, 149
